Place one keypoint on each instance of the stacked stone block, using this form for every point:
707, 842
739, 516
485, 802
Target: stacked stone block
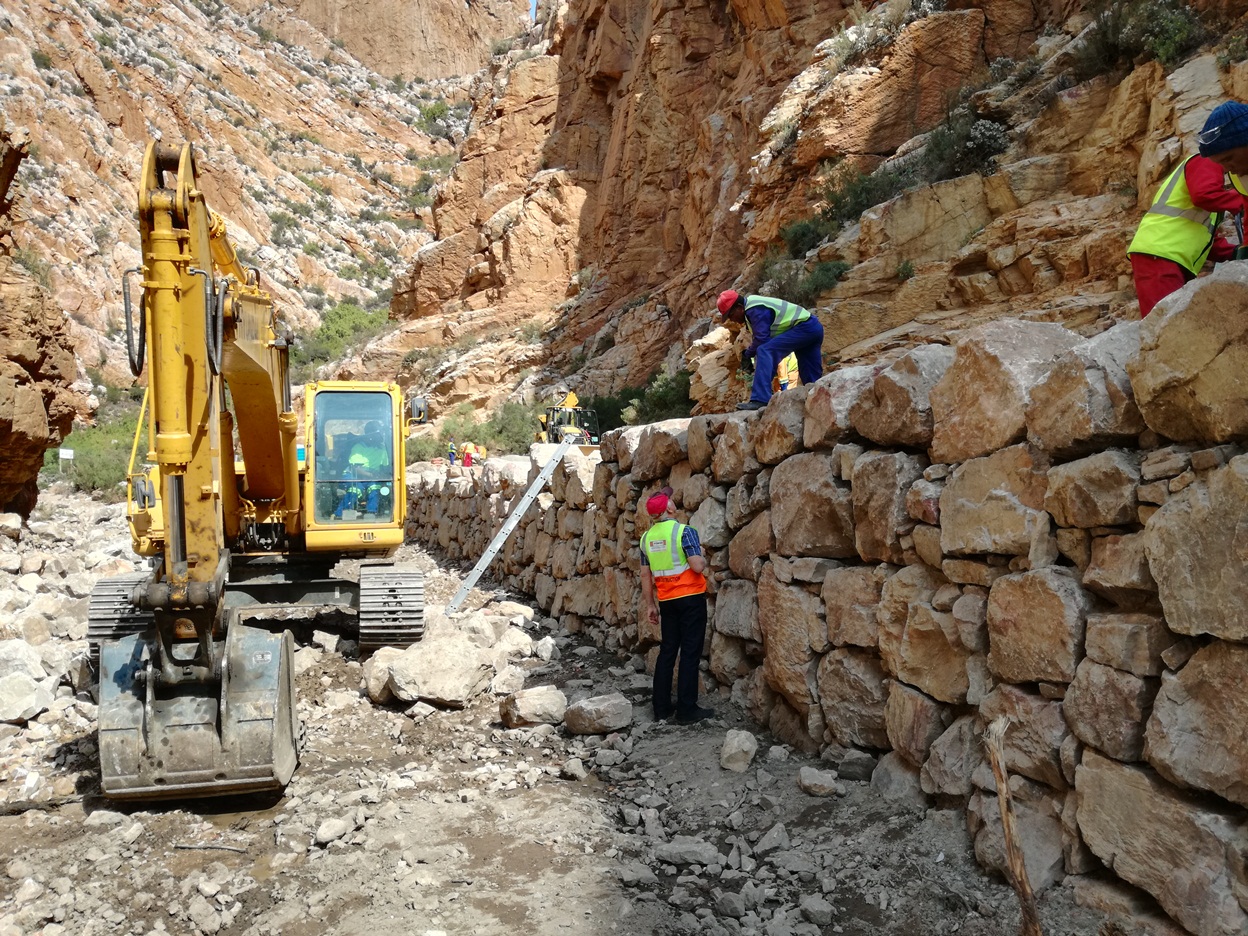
901, 553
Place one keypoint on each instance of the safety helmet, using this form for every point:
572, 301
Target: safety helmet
727, 299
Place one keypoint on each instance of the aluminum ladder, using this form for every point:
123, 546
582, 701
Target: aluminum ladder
512, 519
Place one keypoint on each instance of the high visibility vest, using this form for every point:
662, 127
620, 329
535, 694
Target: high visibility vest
1174, 228
665, 554
787, 314
369, 457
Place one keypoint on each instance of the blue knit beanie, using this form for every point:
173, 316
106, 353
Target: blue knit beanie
1226, 129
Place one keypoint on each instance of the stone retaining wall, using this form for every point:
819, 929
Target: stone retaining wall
902, 553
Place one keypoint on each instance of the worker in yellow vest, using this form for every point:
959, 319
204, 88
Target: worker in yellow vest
787, 371
1179, 231
779, 328
673, 593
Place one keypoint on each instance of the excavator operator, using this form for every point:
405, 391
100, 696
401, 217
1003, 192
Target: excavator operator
369, 460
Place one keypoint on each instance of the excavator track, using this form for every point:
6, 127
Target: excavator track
392, 606
111, 614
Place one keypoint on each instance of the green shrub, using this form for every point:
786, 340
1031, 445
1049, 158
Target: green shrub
1235, 51
1127, 30
801, 236
101, 452
849, 192
610, 407
905, 270
42, 60
313, 248
665, 397
39, 268
502, 46
342, 326
433, 119
531, 332
962, 145
818, 281
105, 41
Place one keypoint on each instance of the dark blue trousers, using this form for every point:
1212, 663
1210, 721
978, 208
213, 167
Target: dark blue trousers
805, 339
682, 623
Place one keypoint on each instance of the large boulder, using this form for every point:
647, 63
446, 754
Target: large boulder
599, 714
829, 402
1106, 709
1037, 817
853, 693
811, 514
953, 758
1196, 734
1184, 850
661, 446
750, 548
1193, 546
736, 610
1095, 491
980, 403
734, 449
914, 721
778, 432
540, 705
851, 596
1189, 374
881, 483
22, 698
897, 408
994, 504
446, 669
1036, 731
1036, 624
793, 627
1085, 402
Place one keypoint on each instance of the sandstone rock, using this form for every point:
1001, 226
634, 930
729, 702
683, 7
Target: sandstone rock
970, 611
778, 433
599, 714
1118, 570
923, 501
994, 505
952, 759
793, 629
979, 405
881, 482
930, 654
1192, 359
1037, 815
853, 692
828, 404
1106, 709
660, 446
540, 705
1095, 491
896, 409
815, 782
730, 658
1086, 401
912, 585
750, 547
734, 450
377, 674
898, 781
736, 610
702, 430
447, 670
17, 656
22, 698
851, 596
711, 522
1034, 739
1036, 624
811, 515
1176, 847
1202, 577
914, 721
1195, 735
856, 765
738, 751
1132, 643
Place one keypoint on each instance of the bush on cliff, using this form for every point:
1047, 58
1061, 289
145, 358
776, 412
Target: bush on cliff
101, 452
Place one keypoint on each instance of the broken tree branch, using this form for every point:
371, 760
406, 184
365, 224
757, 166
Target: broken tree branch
994, 741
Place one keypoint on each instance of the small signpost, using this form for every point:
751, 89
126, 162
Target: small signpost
65, 455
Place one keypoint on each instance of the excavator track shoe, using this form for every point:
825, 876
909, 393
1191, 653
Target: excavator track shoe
198, 739
392, 606
112, 614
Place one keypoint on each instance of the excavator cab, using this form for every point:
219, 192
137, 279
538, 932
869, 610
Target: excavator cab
568, 419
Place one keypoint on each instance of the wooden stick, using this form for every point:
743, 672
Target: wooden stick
192, 847
994, 741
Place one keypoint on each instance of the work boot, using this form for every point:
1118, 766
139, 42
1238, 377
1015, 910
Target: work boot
752, 405
698, 714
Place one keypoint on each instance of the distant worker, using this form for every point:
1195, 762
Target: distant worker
450, 451
778, 328
1178, 233
673, 593
467, 452
788, 367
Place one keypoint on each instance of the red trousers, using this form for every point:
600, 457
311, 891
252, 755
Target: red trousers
1156, 278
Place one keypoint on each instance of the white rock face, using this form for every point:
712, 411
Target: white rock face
738, 751
17, 656
448, 670
21, 698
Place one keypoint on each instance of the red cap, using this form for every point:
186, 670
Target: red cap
727, 299
658, 502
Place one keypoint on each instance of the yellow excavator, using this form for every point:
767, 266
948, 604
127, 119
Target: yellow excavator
197, 696
568, 418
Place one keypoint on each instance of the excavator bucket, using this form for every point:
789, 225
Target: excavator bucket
193, 739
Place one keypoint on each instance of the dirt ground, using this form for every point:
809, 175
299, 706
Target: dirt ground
453, 824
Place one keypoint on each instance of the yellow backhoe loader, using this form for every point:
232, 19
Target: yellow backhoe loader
193, 701
568, 418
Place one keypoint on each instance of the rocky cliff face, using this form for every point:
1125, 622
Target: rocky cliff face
420, 38
652, 153
315, 162
36, 403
